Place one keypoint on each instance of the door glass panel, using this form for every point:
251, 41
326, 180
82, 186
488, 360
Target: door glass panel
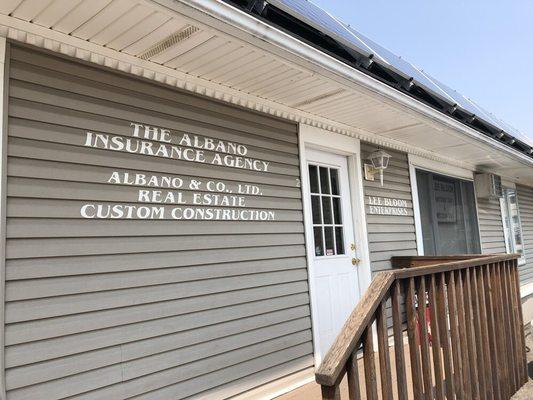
315, 207
339, 239
447, 214
324, 180
327, 210
319, 246
334, 181
313, 179
328, 236
337, 210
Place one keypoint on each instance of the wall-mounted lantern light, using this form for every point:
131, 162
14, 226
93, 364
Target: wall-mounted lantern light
380, 161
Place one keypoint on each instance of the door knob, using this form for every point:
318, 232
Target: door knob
355, 261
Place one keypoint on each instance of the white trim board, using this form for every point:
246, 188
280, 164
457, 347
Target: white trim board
440, 168
4, 81
416, 209
526, 290
279, 387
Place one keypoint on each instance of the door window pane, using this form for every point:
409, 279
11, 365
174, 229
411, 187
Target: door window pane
337, 210
339, 239
315, 208
326, 210
448, 215
313, 179
319, 246
334, 181
324, 180
328, 236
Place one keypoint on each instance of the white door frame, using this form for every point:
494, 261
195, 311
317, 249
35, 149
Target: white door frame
315, 138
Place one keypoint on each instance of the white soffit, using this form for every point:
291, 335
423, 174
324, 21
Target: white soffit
150, 32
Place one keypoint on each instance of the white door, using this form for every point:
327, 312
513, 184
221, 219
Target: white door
334, 262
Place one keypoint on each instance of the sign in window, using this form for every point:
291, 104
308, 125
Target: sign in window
447, 214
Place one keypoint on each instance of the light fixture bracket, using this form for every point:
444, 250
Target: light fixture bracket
370, 171
380, 162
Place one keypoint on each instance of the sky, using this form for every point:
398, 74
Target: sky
482, 49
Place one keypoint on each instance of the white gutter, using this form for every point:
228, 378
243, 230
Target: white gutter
222, 16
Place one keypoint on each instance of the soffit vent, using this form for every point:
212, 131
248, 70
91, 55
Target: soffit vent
169, 41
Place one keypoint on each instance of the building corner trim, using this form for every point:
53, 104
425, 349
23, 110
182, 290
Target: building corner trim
4, 80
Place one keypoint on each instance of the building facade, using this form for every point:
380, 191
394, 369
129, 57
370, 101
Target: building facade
185, 211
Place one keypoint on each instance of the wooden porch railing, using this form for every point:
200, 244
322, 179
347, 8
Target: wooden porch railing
460, 322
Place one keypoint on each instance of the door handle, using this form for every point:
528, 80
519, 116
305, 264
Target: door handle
355, 261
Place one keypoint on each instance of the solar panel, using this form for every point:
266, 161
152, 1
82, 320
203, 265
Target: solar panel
323, 21
465, 103
504, 125
473, 108
401, 66
328, 24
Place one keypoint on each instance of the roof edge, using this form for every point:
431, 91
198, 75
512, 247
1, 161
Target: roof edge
274, 40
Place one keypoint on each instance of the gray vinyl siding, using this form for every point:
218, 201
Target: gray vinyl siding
490, 226
525, 207
151, 309
389, 235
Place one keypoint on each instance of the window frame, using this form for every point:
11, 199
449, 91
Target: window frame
463, 176
505, 209
453, 171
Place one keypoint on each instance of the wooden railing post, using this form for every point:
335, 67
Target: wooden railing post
398, 341
471, 341
352, 370
424, 339
383, 351
520, 327
436, 321
487, 354
468, 384
492, 330
500, 334
456, 342
445, 336
483, 361
331, 392
412, 335
515, 378
370, 365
